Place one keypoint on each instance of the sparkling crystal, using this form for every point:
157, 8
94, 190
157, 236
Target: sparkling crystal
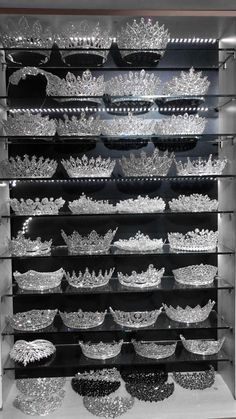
29, 124
85, 167
26, 352
147, 165
37, 206
91, 244
196, 275
101, 350
146, 279
21, 246
87, 205
79, 126
41, 405
40, 387
83, 319
188, 314
128, 125
136, 319
193, 203
197, 380
194, 241
38, 281
154, 350
139, 243
202, 346
28, 167
181, 125
141, 204
190, 83
200, 167
108, 406
105, 374
89, 279
32, 320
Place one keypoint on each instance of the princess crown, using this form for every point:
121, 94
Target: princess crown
198, 380
154, 350
190, 83
83, 319
87, 205
21, 246
188, 314
181, 125
194, 241
144, 165
85, 167
39, 281
28, 167
79, 126
36, 207
101, 350
128, 125
26, 352
107, 406
32, 320
200, 167
136, 319
149, 278
202, 346
193, 203
40, 405
139, 243
91, 244
89, 279
142, 204
196, 275
34, 387
29, 124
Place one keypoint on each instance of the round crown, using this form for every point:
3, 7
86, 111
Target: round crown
32, 320
82, 126
26, 352
196, 275
202, 346
38, 281
190, 83
28, 167
87, 205
128, 125
136, 319
35, 387
144, 165
91, 244
193, 203
200, 167
194, 241
85, 167
149, 278
89, 279
198, 380
139, 243
83, 319
101, 350
189, 314
29, 124
154, 350
21, 246
37, 206
107, 406
40, 405
181, 125
142, 204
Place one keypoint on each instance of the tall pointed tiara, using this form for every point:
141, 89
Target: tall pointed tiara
28, 167
154, 350
36, 206
89, 279
87, 205
29, 124
136, 319
91, 244
39, 281
32, 320
145, 279
128, 125
202, 346
83, 319
188, 314
193, 203
196, 275
141, 204
85, 167
26, 352
200, 167
181, 125
145, 165
139, 243
82, 126
101, 350
190, 83
194, 241
108, 406
21, 246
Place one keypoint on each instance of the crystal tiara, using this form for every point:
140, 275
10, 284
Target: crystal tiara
147, 165
194, 241
83, 319
41, 405
37, 206
141, 204
193, 203
28, 167
154, 350
101, 350
105, 374
29, 124
196, 275
35, 387
146, 279
188, 314
89, 279
198, 380
190, 83
200, 167
38, 281
91, 244
21, 246
87, 205
202, 346
85, 167
32, 320
139, 243
26, 352
108, 406
82, 126
128, 125
136, 319
181, 125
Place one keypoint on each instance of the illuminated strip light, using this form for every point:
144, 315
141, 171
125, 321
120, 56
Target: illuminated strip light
141, 109
192, 40
25, 226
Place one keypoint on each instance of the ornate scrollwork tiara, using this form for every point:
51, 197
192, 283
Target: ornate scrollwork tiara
26, 352
28, 167
193, 203
141, 204
181, 125
40, 405
101, 350
154, 350
191, 83
21, 246
91, 244
87, 205
194, 241
39, 387
198, 380
83, 319
81, 126
196, 275
128, 125
107, 406
85, 167
200, 167
29, 124
188, 314
145, 279
37, 206
32, 320
202, 346
38, 281
139, 243
136, 319
147, 165
89, 279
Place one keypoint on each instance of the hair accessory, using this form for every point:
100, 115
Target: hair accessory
128, 125
101, 350
97, 383
188, 314
28, 167
139, 243
87, 205
194, 241
91, 244
202, 346
38, 281
141, 204
148, 375
150, 393
32, 320
81, 126
190, 83
144, 165
40, 405
193, 203
154, 350
83, 319
89, 279
145, 279
199, 380
200, 167
136, 319
21, 246
29, 124
196, 275
85, 167
40, 387
181, 125
108, 407
26, 352
37, 206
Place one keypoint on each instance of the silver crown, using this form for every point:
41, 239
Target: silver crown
83, 319
139, 243
194, 241
154, 350
85, 167
128, 125
202, 346
147, 165
136, 319
91, 244
82, 126
38, 387
28, 167
141, 204
40, 405
197, 380
188, 314
181, 125
200, 167
101, 350
89, 279
38, 281
146, 279
105, 374
37, 206
29, 124
26, 352
32, 320
107, 406
196, 275
87, 205
190, 83
193, 203
21, 246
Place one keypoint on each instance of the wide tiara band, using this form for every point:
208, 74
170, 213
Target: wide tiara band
85, 167
146, 279
200, 167
198, 380
101, 350
196, 275
136, 319
141, 204
139, 243
29, 124
191, 83
107, 406
193, 203
36, 387
21, 246
87, 205
147, 165
154, 350
91, 244
188, 314
202, 346
83, 319
194, 241
181, 125
89, 279
28, 167
38, 281
32, 320
128, 125
26, 352
81, 126
37, 206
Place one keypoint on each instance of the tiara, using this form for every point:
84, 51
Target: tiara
107, 406
87, 205
196, 275
105, 374
142, 204
40, 405
36, 207
181, 125
202, 346
85, 167
154, 350
89, 279
91, 244
148, 392
35, 387
193, 203
144, 165
136, 319
190, 83
146, 279
189, 314
101, 350
194, 241
32, 320
29, 124
28, 167
128, 125
21, 246
200, 167
38, 281
26, 352
79, 126
198, 380
139, 243
83, 319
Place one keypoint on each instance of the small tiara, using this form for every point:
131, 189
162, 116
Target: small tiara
85, 167
193, 203
202, 346
200, 167
81, 126
190, 83
194, 241
128, 125
89, 279
181, 125
107, 406
38, 281
147, 165
142, 204
29, 124
37, 206
40, 405
154, 350
136, 319
91, 244
196, 275
101, 350
26, 352
28, 167
198, 380
32, 320
21, 246
35, 387
105, 374
146, 279
139, 243
87, 205
189, 314
83, 319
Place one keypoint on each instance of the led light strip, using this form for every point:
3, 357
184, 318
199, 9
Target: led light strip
136, 109
192, 40
26, 225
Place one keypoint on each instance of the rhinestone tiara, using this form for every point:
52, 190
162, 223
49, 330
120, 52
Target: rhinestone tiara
107, 406
37, 206
196, 275
21, 246
29, 124
105, 374
89, 279
202, 346
28, 167
85, 167
193, 203
147, 165
190, 83
128, 125
38, 281
146, 279
26, 352
136, 319
198, 380
181, 125
79, 126
32, 320
91, 244
139, 243
141, 204
41, 405
87, 205
188, 314
154, 350
194, 241
200, 167
83, 319
36, 387
101, 350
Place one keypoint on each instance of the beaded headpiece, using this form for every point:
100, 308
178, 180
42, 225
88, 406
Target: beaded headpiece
188, 314
26, 352
37, 387
40, 405
139, 243
101, 350
202, 346
38, 281
136, 319
193, 203
89, 279
197, 380
85, 167
194, 241
28, 167
32, 320
146, 279
83, 319
200, 167
29, 124
154, 350
196, 275
91, 244
107, 406
181, 125
37, 206
147, 165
